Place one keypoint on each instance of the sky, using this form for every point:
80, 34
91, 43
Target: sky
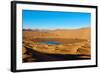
34, 19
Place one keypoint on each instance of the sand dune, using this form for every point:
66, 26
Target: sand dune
74, 42
83, 33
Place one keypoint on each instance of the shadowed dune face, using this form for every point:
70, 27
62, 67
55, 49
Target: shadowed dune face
74, 45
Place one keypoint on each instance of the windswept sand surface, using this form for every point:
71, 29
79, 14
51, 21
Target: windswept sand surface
75, 45
83, 33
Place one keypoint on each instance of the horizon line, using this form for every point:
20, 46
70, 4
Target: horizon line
55, 28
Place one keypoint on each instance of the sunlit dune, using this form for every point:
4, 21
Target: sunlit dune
72, 42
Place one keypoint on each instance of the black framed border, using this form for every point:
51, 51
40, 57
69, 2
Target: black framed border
14, 35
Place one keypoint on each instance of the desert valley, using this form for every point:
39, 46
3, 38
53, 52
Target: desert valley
56, 45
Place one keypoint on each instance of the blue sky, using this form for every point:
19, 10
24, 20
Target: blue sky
55, 20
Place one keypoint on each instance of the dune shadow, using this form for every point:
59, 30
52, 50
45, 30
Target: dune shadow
42, 57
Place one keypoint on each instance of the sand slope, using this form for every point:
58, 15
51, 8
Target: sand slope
74, 42
83, 33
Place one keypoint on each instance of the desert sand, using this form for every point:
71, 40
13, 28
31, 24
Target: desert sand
74, 45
